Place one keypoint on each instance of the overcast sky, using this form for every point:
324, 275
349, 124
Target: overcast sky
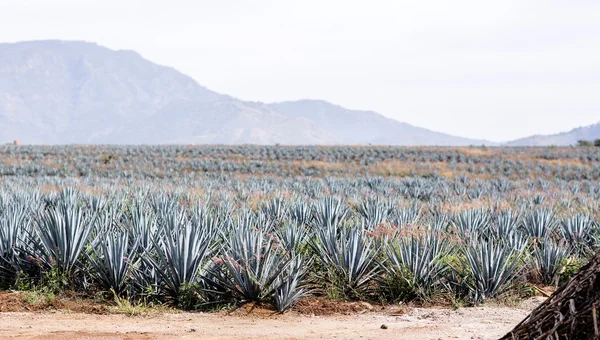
497, 70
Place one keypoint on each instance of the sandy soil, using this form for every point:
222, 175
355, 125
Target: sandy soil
417, 323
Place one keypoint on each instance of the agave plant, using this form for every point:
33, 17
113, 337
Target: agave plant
577, 230
421, 255
68, 197
264, 221
349, 257
14, 228
293, 237
547, 260
471, 222
502, 185
275, 210
179, 253
157, 195
62, 234
538, 199
493, 268
249, 266
514, 240
163, 205
506, 224
212, 222
407, 215
112, 260
300, 213
330, 211
374, 212
540, 223
438, 221
291, 285
142, 224
97, 203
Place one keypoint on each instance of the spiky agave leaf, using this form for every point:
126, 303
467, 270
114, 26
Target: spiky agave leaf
112, 260
493, 268
142, 224
547, 259
328, 212
438, 221
349, 256
407, 215
506, 223
421, 255
577, 230
374, 211
300, 213
180, 252
15, 225
514, 240
63, 232
291, 286
293, 237
249, 265
275, 210
471, 223
540, 223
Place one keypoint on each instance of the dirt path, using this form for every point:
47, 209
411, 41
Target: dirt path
418, 323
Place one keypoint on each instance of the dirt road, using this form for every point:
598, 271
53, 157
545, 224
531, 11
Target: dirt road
417, 323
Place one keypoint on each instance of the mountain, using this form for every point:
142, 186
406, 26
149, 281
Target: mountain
229, 121
75, 92
366, 127
63, 92
590, 133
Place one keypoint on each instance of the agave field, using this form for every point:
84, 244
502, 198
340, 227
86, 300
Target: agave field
202, 227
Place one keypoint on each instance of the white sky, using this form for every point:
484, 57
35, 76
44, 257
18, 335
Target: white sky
477, 68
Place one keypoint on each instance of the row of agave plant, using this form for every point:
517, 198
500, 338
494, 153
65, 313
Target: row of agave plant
169, 161
140, 244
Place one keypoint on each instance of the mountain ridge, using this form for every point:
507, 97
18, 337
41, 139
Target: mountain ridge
571, 137
77, 92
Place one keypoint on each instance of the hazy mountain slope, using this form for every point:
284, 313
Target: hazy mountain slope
55, 92
228, 122
590, 132
364, 127
63, 92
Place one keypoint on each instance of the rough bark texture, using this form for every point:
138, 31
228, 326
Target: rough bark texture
570, 313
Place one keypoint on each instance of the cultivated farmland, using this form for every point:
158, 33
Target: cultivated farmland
215, 227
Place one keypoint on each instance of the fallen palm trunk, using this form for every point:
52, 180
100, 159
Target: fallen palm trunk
570, 313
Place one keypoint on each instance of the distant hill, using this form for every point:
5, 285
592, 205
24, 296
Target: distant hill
62, 92
364, 127
590, 132
75, 92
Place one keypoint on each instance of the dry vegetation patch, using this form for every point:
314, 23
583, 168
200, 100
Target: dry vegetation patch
33, 301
